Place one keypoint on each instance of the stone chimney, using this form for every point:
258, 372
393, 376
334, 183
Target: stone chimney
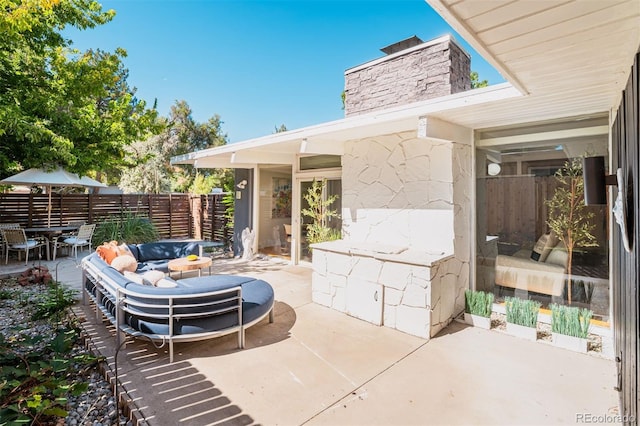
411, 71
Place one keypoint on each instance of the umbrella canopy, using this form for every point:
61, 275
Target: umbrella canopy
58, 177
87, 181
49, 179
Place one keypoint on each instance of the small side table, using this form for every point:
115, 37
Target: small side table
183, 264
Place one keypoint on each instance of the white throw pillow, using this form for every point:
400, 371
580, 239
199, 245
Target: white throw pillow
136, 278
153, 276
166, 283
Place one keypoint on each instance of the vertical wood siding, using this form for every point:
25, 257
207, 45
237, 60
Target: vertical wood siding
626, 267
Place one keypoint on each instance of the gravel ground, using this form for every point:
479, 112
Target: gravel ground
96, 406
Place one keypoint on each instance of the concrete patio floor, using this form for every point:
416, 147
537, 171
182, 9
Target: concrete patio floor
316, 366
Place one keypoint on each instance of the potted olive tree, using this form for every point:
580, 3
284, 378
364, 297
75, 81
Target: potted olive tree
477, 308
570, 327
569, 218
522, 317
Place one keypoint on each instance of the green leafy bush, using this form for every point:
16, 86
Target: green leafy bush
478, 303
38, 372
522, 312
54, 302
129, 228
570, 320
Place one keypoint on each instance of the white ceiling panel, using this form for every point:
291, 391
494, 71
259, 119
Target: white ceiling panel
568, 58
509, 14
467, 9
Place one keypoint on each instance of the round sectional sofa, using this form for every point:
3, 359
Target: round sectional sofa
185, 310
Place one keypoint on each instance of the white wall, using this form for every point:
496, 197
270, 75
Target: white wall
399, 189
412, 192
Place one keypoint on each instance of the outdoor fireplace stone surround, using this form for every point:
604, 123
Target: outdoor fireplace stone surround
406, 234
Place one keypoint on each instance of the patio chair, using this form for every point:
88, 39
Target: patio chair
81, 239
58, 240
17, 240
3, 244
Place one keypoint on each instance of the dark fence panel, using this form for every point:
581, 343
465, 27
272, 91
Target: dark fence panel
173, 214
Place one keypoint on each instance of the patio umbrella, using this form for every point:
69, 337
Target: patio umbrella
58, 177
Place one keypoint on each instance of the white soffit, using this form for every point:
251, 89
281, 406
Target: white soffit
568, 57
329, 138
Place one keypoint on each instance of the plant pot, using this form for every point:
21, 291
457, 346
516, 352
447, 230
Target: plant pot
477, 321
528, 333
576, 344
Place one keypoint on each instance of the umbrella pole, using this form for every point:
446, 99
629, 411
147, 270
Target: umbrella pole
49, 208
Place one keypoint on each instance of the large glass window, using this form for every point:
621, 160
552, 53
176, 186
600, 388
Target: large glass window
529, 215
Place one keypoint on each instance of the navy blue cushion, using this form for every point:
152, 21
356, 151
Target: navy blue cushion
213, 282
165, 250
133, 248
257, 300
153, 265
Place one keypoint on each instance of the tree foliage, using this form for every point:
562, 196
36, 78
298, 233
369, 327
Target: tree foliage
476, 83
60, 106
569, 218
150, 170
319, 211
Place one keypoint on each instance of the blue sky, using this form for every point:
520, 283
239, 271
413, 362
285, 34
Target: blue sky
258, 64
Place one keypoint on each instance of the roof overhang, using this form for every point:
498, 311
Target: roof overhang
562, 59
569, 58
330, 137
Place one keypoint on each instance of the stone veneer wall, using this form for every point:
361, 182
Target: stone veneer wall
435, 68
406, 230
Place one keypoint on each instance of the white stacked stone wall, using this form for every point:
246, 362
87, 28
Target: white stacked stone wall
410, 295
406, 233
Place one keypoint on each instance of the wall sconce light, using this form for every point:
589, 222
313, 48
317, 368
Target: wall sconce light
493, 169
242, 184
595, 181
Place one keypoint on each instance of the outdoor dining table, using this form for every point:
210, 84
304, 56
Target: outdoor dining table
49, 232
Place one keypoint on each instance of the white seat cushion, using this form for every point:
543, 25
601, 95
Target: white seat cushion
74, 240
30, 243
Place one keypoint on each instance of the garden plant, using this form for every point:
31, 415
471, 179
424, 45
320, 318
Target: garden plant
478, 303
128, 228
570, 320
522, 311
320, 211
40, 366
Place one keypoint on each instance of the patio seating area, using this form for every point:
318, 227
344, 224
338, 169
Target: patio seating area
314, 365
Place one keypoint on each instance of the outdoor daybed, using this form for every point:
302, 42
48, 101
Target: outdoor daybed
185, 310
541, 271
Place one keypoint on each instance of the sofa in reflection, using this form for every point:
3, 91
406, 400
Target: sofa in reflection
541, 270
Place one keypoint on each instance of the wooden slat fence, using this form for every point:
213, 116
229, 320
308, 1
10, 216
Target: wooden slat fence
175, 216
516, 209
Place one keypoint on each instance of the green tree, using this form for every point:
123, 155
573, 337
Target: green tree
475, 81
150, 169
203, 185
569, 218
59, 106
280, 129
320, 211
